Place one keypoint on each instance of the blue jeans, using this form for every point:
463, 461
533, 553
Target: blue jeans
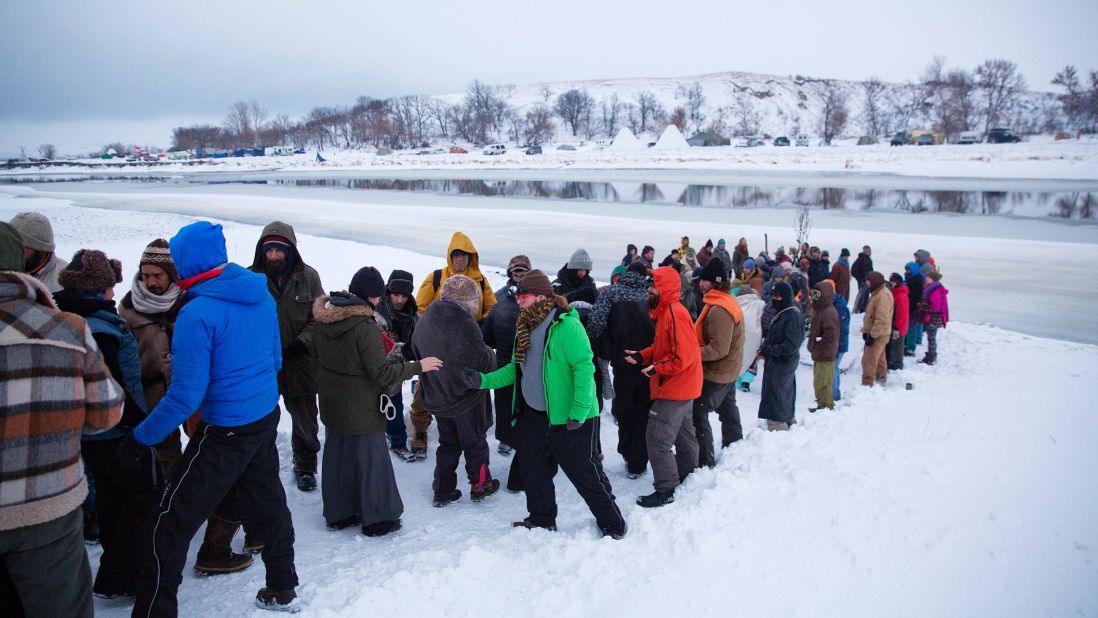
914, 336
835, 394
396, 430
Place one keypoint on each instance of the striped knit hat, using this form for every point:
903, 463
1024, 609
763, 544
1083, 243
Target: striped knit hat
157, 254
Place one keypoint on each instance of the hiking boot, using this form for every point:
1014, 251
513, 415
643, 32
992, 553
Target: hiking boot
343, 524
419, 453
481, 491
746, 387
909, 352
306, 481
505, 449
633, 475
278, 600
216, 556
529, 525
656, 499
615, 534
252, 545
929, 359
381, 528
403, 453
442, 500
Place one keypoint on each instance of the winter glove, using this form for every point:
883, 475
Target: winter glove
137, 461
470, 378
573, 424
895, 334
637, 357
297, 348
868, 339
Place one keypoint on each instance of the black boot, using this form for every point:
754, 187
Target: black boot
381, 528
656, 499
442, 500
278, 600
306, 481
216, 556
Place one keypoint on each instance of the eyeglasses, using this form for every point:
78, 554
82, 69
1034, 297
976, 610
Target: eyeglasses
387, 407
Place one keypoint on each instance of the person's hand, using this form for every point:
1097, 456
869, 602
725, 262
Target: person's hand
895, 334
296, 348
633, 357
573, 424
137, 460
470, 377
648, 371
868, 339
430, 363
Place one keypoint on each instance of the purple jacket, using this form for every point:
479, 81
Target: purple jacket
936, 303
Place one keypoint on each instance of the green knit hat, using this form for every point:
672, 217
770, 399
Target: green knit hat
11, 248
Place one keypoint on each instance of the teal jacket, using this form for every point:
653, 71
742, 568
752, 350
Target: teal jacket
568, 372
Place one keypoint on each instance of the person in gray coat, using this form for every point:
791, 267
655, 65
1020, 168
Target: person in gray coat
39, 251
782, 351
721, 253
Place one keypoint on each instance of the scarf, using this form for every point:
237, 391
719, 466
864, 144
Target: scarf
716, 298
148, 303
529, 319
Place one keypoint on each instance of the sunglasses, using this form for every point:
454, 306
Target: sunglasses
388, 408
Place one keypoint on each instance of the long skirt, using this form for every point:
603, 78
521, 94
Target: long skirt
357, 479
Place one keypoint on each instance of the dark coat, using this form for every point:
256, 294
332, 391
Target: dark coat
628, 327
817, 271
782, 349
499, 327
293, 297
446, 331
353, 369
400, 324
154, 344
572, 288
863, 265
844, 323
824, 331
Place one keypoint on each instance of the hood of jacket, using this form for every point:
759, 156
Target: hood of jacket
916, 271
668, 283
785, 292
285, 230
460, 242
236, 284
197, 248
338, 318
922, 256
900, 290
827, 293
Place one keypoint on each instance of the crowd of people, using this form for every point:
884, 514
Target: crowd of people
205, 347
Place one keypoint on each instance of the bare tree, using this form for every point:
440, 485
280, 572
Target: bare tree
907, 105
961, 103
611, 115
238, 120
802, 222
47, 151
678, 118
574, 107
873, 115
833, 113
1000, 86
1074, 100
747, 116
648, 108
257, 117
694, 95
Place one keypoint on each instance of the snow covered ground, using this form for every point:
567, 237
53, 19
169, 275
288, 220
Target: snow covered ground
973, 493
1039, 158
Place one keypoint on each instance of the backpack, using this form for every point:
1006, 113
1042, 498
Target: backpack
436, 281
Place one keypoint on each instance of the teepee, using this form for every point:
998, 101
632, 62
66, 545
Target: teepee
671, 138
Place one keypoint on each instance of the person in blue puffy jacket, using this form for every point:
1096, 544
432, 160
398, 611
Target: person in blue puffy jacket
226, 354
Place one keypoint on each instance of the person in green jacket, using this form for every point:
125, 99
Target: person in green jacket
354, 373
555, 413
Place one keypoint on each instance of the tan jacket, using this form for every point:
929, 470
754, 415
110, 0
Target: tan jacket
722, 350
878, 314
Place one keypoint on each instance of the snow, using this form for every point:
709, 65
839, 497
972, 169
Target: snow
626, 142
970, 494
671, 139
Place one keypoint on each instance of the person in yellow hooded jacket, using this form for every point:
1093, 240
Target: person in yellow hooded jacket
461, 259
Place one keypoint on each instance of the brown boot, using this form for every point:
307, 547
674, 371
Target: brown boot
216, 554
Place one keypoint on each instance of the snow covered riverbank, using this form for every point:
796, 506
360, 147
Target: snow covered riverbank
971, 494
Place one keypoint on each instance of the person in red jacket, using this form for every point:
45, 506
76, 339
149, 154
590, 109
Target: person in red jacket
674, 369
901, 303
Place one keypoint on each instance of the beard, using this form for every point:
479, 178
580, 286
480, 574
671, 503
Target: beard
276, 266
653, 301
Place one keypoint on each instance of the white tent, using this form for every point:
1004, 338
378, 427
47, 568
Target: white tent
626, 141
671, 138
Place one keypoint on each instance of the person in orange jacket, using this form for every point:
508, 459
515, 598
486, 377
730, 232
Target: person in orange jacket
673, 366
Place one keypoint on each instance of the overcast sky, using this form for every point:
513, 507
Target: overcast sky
81, 74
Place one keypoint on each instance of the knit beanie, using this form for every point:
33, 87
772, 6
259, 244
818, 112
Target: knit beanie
535, 282
275, 241
36, 231
639, 268
580, 261
713, 272
367, 283
519, 262
465, 293
158, 254
90, 270
845, 252
709, 243
11, 248
749, 263
400, 282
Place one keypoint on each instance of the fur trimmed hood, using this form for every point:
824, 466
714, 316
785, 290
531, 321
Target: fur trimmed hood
327, 313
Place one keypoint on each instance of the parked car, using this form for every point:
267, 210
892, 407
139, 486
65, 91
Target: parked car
566, 147
458, 150
926, 139
1002, 136
867, 140
899, 139
431, 151
801, 140
781, 141
495, 149
968, 137
533, 149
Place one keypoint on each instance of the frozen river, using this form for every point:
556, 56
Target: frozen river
1016, 254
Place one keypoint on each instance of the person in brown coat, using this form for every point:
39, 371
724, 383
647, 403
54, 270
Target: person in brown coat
876, 330
840, 275
823, 343
720, 331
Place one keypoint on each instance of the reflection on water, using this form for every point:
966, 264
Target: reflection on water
1064, 205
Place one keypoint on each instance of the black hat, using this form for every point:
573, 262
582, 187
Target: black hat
400, 282
367, 283
639, 268
713, 272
